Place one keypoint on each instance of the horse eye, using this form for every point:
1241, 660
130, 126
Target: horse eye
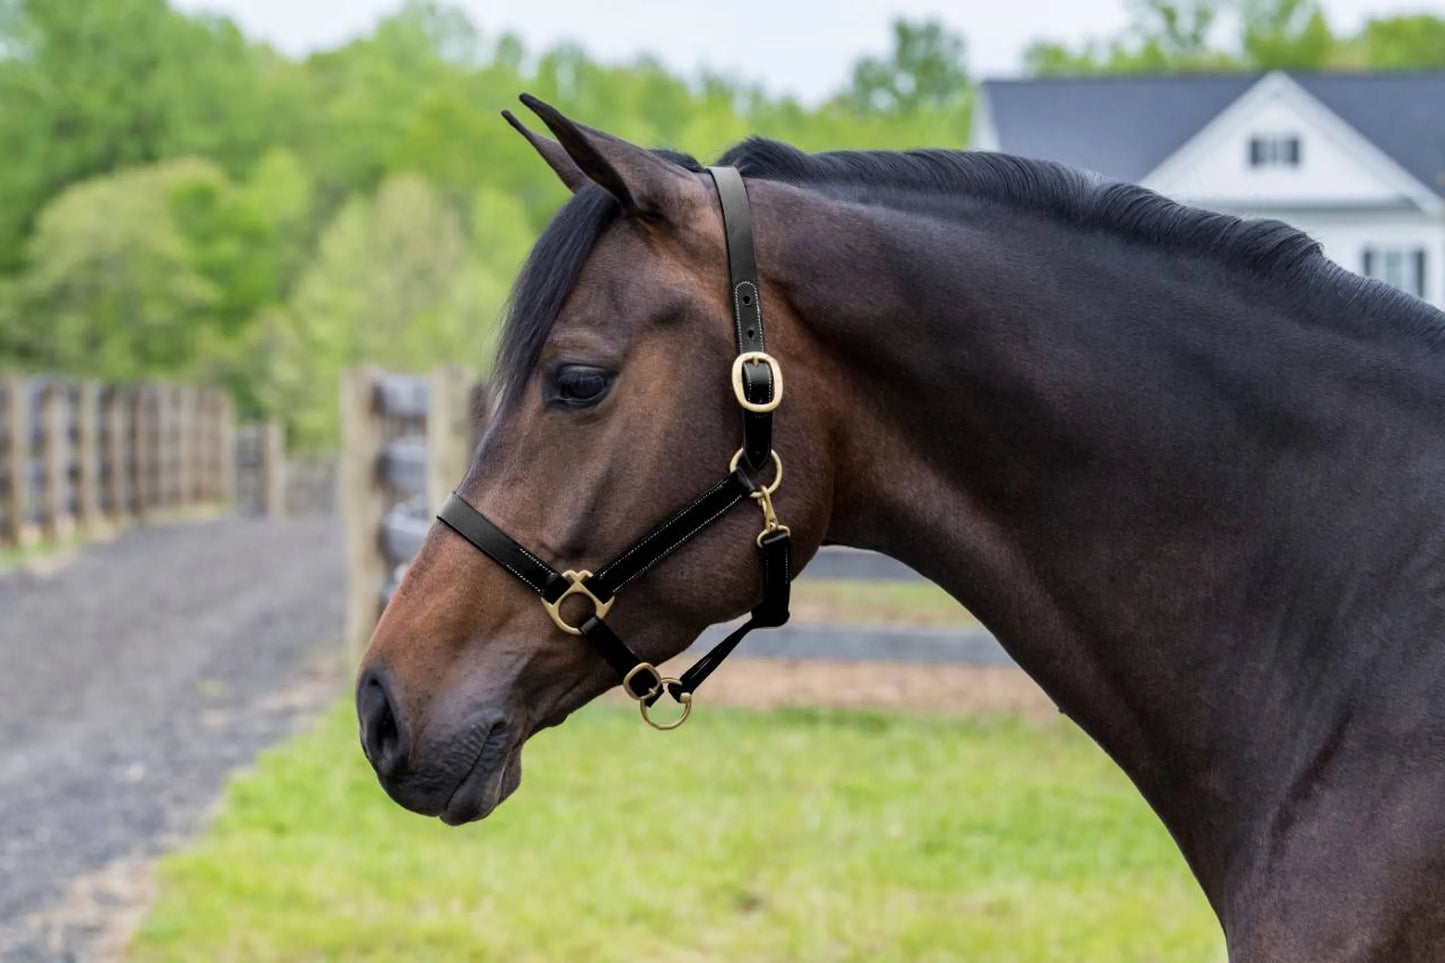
580, 385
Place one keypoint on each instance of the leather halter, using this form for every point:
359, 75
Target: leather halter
757, 382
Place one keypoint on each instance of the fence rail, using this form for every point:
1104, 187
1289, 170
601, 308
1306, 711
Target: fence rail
76, 456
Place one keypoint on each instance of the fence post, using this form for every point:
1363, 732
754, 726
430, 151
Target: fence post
448, 433
363, 503
16, 455
184, 398
227, 434
115, 411
273, 470
142, 450
55, 517
87, 480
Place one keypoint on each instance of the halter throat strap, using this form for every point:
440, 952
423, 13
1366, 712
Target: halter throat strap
758, 387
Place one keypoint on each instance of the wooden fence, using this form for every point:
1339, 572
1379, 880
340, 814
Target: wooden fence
405, 444
76, 456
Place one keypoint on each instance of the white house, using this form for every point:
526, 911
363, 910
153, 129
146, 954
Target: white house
1356, 160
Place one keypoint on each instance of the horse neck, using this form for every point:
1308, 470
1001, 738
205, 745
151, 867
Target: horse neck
1140, 470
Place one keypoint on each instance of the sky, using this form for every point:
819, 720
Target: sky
798, 47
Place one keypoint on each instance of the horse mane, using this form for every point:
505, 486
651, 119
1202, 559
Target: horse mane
936, 182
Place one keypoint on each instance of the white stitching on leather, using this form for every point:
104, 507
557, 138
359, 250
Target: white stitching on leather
658, 531
684, 540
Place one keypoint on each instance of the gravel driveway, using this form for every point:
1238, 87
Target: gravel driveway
133, 680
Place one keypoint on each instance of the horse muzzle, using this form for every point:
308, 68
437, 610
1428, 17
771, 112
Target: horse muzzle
457, 769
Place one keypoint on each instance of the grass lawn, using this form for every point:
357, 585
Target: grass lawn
778, 836
12, 557
916, 603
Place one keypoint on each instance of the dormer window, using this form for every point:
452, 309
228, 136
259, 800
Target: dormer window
1274, 150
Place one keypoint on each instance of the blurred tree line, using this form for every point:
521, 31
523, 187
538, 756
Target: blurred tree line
180, 201
1169, 36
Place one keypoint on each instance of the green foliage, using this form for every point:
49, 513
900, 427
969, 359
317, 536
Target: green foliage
87, 88
183, 202
113, 289
1173, 37
1163, 36
1414, 42
382, 288
793, 835
926, 69
1286, 34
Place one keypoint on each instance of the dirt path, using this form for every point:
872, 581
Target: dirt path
133, 680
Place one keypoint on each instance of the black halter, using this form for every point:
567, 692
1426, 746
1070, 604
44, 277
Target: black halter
757, 382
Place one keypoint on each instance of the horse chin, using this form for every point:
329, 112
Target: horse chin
484, 788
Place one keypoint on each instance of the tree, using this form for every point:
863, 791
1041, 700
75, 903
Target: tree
1286, 34
1413, 42
925, 70
112, 290
87, 87
1162, 36
384, 271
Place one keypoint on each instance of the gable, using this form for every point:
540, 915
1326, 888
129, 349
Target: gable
1277, 146
1121, 127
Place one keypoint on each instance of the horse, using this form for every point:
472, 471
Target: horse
1187, 470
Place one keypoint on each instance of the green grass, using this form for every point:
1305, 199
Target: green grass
800, 835
12, 556
898, 603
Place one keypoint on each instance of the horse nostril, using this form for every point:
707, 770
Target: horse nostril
383, 736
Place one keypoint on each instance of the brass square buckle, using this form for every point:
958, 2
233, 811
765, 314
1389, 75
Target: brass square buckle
757, 357
554, 609
660, 684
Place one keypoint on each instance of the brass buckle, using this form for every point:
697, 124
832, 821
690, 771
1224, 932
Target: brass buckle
660, 685
757, 357
554, 609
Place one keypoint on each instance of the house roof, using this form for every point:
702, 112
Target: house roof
1125, 126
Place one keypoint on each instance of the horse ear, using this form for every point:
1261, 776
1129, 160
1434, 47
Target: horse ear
552, 152
646, 185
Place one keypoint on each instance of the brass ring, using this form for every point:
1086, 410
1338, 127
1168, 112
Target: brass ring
777, 464
657, 684
554, 609
684, 700
757, 357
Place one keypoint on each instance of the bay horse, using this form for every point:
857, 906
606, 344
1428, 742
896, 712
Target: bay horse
1188, 471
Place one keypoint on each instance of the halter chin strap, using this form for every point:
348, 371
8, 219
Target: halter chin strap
757, 382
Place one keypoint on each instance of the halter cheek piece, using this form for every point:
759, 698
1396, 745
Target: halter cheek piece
757, 382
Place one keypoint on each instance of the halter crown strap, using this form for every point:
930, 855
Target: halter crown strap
753, 379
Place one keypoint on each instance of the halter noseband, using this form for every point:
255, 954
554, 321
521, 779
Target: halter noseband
757, 382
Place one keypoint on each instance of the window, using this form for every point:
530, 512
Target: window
1404, 267
1274, 150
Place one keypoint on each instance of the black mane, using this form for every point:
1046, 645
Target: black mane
925, 181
